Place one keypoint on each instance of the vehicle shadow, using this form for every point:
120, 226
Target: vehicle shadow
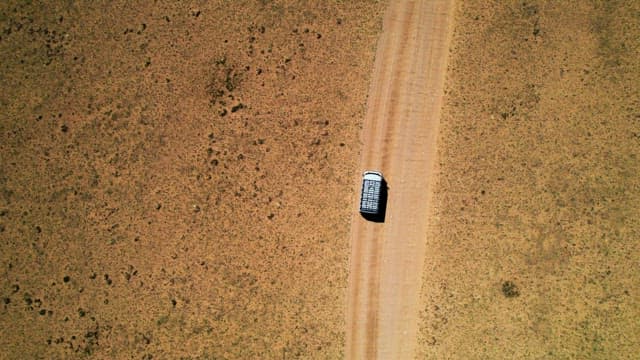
380, 217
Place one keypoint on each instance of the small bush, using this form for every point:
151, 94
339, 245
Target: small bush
509, 289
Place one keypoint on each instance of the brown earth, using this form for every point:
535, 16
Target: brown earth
532, 248
176, 178
399, 138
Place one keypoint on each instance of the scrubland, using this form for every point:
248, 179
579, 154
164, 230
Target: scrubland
533, 243
175, 178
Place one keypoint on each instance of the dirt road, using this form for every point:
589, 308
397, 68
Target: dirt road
399, 138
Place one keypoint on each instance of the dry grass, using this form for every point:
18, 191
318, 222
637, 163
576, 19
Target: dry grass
175, 180
533, 249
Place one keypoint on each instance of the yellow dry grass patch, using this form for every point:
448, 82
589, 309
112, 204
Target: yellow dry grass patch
533, 245
175, 178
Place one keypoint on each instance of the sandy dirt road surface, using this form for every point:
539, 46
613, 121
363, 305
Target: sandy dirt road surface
399, 138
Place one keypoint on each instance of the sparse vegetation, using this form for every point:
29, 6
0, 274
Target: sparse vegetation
538, 110
118, 212
224, 80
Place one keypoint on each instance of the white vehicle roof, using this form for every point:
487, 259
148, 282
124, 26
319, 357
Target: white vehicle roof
372, 175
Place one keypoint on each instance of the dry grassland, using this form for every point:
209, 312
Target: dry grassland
175, 179
533, 248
